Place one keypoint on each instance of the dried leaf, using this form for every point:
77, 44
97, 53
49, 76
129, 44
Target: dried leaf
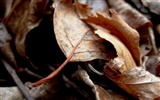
136, 81
69, 29
119, 28
121, 49
100, 92
134, 18
84, 47
25, 16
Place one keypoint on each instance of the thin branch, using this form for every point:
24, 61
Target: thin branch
16, 79
53, 74
152, 38
32, 73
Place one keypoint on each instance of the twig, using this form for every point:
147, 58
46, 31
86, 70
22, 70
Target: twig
94, 70
61, 67
32, 73
16, 79
152, 38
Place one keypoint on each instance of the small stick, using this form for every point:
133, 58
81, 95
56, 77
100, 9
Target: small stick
53, 74
152, 38
18, 82
32, 73
94, 70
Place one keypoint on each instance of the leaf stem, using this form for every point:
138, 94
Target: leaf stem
53, 74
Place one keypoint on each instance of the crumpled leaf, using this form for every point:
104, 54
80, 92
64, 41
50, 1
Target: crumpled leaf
25, 16
119, 28
121, 49
134, 18
69, 29
78, 43
136, 81
100, 92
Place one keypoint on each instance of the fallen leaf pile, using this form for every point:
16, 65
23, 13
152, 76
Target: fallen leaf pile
80, 49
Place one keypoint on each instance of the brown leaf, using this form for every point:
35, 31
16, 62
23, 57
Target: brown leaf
75, 39
134, 18
121, 49
69, 29
119, 28
100, 92
136, 81
25, 16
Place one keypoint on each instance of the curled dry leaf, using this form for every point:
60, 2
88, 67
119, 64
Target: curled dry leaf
25, 16
136, 81
121, 49
122, 30
75, 39
134, 18
100, 92
69, 29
